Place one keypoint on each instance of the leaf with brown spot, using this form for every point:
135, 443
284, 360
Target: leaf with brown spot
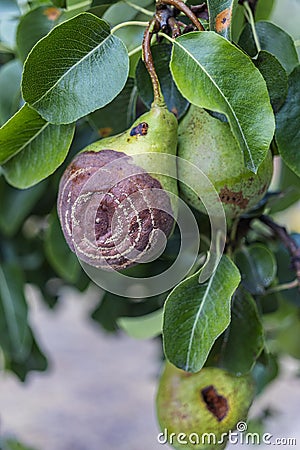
220, 15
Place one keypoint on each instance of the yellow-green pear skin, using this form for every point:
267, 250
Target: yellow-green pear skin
210, 401
209, 144
118, 191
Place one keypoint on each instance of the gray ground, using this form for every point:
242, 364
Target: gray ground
99, 393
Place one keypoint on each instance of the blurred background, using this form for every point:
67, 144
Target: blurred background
99, 390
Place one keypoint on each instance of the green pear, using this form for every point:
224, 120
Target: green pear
141, 191
192, 406
209, 144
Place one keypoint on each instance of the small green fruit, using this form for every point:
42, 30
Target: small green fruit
210, 145
210, 401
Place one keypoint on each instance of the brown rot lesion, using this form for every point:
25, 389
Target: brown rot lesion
215, 403
140, 130
235, 198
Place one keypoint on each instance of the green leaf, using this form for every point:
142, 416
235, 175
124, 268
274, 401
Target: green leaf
10, 91
288, 124
35, 360
212, 73
263, 9
33, 26
196, 314
272, 39
16, 205
238, 22
104, 2
275, 77
265, 370
98, 10
220, 16
243, 341
15, 338
288, 338
143, 327
118, 115
31, 148
60, 3
122, 12
73, 8
66, 77
113, 307
284, 199
174, 100
258, 267
286, 273
63, 261
289, 187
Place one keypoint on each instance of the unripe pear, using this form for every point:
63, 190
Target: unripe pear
139, 197
210, 401
209, 144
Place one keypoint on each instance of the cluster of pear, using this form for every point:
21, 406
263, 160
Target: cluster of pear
201, 139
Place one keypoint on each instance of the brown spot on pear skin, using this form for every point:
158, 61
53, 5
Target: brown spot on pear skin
52, 13
216, 404
174, 110
233, 198
140, 130
105, 132
223, 20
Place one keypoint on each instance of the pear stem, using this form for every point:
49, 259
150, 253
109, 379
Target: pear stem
178, 4
148, 60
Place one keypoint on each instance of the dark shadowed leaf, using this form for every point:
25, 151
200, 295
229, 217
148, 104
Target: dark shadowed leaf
33, 26
36, 360
63, 261
196, 314
203, 65
265, 370
286, 273
275, 77
16, 205
272, 39
118, 115
60, 3
242, 342
15, 338
77, 68
258, 267
104, 2
263, 9
287, 124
